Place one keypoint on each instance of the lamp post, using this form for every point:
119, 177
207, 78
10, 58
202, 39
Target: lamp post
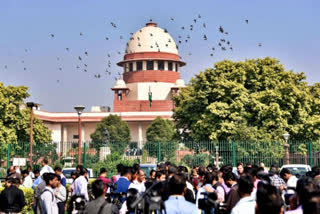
286, 146
79, 110
31, 105
217, 157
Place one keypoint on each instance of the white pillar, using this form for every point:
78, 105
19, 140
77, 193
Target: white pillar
155, 65
144, 65
165, 65
134, 66
64, 140
140, 136
173, 66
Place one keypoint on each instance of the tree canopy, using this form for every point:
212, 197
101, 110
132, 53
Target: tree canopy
254, 100
15, 121
113, 131
163, 132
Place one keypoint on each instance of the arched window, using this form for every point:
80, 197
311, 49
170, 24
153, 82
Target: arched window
160, 65
130, 66
139, 66
170, 66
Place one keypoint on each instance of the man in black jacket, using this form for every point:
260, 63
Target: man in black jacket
12, 198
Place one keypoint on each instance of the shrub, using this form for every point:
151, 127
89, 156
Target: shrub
28, 194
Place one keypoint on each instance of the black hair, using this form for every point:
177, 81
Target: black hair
201, 171
49, 177
127, 170
98, 188
36, 171
57, 168
59, 178
210, 177
238, 164
83, 171
45, 161
103, 170
120, 168
306, 189
15, 180
80, 167
312, 206
74, 173
229, 176
245, 183
177, 185
172, 169
25, 172
284, 171
152, 171
160, 173
269, 199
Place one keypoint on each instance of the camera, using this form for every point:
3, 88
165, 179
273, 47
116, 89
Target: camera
209, 204
115, 197
148, 202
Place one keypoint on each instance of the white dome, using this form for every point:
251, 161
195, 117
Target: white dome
120, 84
180, 83
151, 39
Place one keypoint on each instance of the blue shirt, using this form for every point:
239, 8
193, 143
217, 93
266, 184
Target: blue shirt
122, 185
177, 205
36, 182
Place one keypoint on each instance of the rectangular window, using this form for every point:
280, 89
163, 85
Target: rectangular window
139, 66
170, 66
130, 66
150, 65
75, 136
119, 95
160, 65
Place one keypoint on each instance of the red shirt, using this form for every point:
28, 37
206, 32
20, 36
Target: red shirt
105, 181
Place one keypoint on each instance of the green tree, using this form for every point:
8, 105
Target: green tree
14, 121
254, 100
163, 132
111, 162
112, 131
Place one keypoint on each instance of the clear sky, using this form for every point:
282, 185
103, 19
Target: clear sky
288, 30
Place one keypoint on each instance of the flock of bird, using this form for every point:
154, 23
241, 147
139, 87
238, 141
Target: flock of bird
223, 44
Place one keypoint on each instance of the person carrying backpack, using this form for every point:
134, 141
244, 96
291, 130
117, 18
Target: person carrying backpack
48, 202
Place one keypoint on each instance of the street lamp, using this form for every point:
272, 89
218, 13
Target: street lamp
31, 105
286, 146
79, 110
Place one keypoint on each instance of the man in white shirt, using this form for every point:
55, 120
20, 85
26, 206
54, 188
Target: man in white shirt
81, 185
27, 180
290, 179
138, 183
246, 205
45, 167
48, 202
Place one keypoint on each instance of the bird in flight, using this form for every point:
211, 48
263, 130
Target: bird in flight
221, 29
260, 44
247, 21
81, 34
52, 35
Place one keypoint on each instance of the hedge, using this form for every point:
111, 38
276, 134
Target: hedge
28, 194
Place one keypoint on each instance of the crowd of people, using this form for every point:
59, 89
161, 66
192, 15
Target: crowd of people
167, 189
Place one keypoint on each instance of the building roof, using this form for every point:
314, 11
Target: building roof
151, 39
66, 117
